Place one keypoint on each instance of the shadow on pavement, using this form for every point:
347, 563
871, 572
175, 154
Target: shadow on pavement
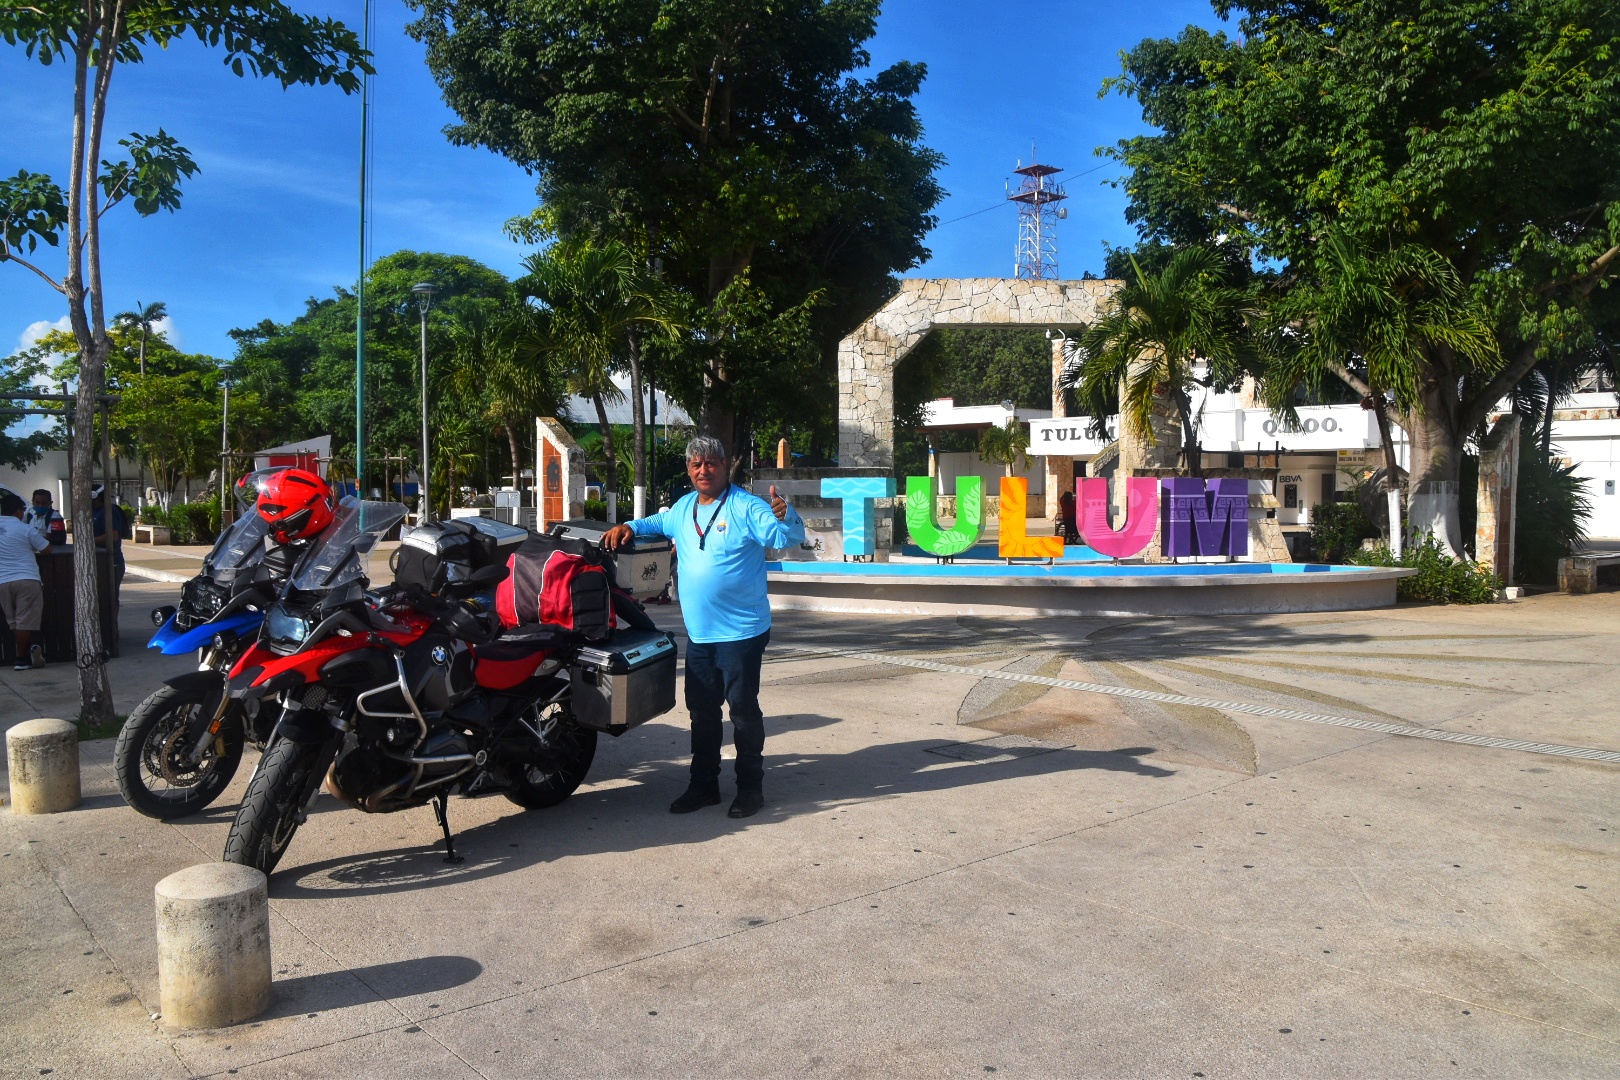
1089, 638
363, 985
634, 816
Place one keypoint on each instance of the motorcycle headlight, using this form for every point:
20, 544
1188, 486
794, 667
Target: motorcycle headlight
161, 615
285, 630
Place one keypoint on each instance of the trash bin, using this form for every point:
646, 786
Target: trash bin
56, 626
641, 566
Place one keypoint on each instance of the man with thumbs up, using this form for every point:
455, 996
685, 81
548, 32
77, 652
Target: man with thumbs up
721, 533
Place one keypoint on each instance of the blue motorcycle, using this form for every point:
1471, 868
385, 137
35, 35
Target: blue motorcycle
180, 748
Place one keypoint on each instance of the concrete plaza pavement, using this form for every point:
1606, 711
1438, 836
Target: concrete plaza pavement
1093, 886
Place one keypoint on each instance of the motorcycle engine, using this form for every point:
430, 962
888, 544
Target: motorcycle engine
371, 780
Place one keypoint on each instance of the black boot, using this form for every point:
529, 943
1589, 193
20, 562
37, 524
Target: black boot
746, 804
695, 797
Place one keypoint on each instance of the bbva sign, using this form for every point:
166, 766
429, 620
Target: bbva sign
1195, 516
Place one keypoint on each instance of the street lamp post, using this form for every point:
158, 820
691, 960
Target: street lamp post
424, 294
225, 515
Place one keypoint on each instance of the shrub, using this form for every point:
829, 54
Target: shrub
200, 521
1552, 509
178, 524
1337, 530
1439, 578
596, 509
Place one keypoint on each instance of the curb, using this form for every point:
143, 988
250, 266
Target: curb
147, 573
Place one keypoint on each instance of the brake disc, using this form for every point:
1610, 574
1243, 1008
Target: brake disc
172, 763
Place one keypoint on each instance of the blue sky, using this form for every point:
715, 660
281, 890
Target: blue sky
271, 219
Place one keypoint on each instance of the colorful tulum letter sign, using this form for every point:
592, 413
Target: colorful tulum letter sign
1198, 517
1141, 514
860, 495
1013, 544
1205, 517
920, 521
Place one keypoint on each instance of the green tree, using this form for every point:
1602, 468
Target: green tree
1487, 133
20, 374
731, 135
95, 36
304, 370
169, 417
1007, 445
1167, 334
1365, 317
144, 317
593, 295
496, 371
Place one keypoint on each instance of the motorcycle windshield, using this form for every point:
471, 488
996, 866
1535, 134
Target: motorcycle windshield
238, 547
337, 557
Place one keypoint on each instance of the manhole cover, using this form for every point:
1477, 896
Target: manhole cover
1001, 748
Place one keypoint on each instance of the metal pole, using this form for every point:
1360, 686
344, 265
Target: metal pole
360, 290
225, 458
425, 510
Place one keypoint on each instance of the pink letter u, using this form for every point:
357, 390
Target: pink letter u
1141, 515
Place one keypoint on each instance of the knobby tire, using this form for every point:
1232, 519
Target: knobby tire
557, 771
164, 714
265, 824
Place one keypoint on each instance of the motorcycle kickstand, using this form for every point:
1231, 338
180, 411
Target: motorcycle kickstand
441, 811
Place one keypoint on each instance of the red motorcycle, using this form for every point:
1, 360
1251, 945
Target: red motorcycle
407, 696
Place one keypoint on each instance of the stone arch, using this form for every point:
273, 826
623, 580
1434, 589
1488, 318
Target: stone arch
867, 357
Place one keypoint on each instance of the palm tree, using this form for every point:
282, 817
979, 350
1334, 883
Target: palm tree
144, 318
494, 369
594, 296
1163, 329
1007, 445
454, 437
1366, 317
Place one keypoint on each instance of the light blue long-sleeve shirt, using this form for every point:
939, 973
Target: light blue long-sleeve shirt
723, 576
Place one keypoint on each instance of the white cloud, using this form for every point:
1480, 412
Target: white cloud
36, 330
170, 332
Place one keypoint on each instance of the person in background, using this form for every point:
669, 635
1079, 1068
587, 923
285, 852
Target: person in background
46, 518
721, 532
22, 597
109, 532
1066, 523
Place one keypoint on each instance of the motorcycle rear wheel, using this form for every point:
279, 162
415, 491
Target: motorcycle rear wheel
150, 763
270, 810
555, 772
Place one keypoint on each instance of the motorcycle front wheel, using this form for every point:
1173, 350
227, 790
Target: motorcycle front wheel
557, 768
152, 762
272, 808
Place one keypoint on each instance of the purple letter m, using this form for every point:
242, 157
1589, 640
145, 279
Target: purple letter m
1205, 517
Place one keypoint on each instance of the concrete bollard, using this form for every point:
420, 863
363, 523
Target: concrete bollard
43, 756
213, 929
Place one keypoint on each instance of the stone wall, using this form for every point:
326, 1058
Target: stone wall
867, 357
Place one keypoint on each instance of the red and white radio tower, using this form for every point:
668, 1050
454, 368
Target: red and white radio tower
1038, 214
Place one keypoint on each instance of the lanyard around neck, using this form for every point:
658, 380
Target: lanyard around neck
703, 531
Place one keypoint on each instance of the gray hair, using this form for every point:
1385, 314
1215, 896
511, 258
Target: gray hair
706, 446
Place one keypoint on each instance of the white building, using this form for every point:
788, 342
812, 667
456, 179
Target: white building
1334, 447
943, 414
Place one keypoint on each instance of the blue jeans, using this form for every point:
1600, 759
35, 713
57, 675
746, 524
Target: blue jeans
728, 672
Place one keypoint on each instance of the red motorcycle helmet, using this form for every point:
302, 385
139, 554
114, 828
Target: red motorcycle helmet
296, 503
